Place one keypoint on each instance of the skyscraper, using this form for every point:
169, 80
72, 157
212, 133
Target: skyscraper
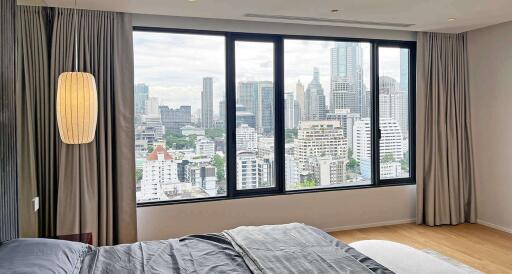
347, 88
141, 95
265, 113
289, 110
404, 70
318, 138
314, 101
207, 103
247, 95
174, 119
299, 95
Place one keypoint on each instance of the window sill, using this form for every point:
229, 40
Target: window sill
384, 183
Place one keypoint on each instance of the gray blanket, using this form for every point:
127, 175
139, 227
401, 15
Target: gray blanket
293, 248
282, 249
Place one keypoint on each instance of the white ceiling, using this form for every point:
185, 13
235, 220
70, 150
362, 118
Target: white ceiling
426, 15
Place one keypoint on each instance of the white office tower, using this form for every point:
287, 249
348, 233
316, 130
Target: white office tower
265, 171
314, 100
203, 176
205, 147
152, 104
362, 140
391, 143
390, 170
318, 138
158, 172
347, 120
328, 170
299, 96
246, 138
291, 171
246, 170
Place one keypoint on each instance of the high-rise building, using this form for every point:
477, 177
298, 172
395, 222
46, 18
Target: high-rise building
393, 103
347, 120
205, 147
318, 138
203, 176
347, 88
140, 97
299, 96
291, 171
222, 110
246, 170
289, 111
328, 170
391, 142
314, 101
404, 70
265, 113
174, 119
246, 138
152, 104
158, 170
247, 95
207, 103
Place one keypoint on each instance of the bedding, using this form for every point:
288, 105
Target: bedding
291, 248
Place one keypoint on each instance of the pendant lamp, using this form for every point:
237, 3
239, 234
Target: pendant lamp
77, 103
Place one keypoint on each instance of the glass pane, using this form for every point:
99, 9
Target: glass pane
327, 114
394, 112
179, 135
254, 115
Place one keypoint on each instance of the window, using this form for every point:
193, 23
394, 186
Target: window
394, 112
327, 114
254, 115
179, 116
222, 115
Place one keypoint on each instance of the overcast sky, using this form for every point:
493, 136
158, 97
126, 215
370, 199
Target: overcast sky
173, 65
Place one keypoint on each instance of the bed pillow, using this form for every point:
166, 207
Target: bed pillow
41, 256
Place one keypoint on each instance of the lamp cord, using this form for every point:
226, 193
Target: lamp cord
76, 36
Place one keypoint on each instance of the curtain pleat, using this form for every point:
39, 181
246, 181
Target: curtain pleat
445, 181
92, 187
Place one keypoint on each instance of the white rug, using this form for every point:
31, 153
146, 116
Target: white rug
466, 268
403, 259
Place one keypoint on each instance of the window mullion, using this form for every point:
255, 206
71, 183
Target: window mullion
375, 114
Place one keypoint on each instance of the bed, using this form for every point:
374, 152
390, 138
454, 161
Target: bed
289, 248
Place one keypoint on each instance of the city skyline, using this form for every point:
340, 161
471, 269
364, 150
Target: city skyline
180, 147
182, 84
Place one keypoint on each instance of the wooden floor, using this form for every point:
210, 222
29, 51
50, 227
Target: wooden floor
481, 247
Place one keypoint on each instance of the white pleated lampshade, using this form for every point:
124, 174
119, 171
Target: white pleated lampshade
77, 107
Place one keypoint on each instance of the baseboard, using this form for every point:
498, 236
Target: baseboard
368, 225
498, 227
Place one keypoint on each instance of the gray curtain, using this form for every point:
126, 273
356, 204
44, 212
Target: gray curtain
35, 124
93, 187
445, 177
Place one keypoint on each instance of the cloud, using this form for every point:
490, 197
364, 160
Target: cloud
173, 65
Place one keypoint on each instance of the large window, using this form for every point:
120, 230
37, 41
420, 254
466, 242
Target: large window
179, 116
327, 113
222, 115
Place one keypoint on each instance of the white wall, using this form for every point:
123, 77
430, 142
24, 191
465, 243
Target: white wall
332, 210
490, 65
327, 210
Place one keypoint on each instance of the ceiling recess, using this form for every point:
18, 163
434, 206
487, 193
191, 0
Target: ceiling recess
327, 20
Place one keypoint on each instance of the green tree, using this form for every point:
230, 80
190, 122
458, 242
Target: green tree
213, 133
218, 162
388, 158
353, 165
405, 162
138, 174
308, 183
150, 148
178, 141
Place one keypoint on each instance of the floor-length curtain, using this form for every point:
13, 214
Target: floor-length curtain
93, 187
445, 180
36, 128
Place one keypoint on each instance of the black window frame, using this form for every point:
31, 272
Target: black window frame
279, 138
